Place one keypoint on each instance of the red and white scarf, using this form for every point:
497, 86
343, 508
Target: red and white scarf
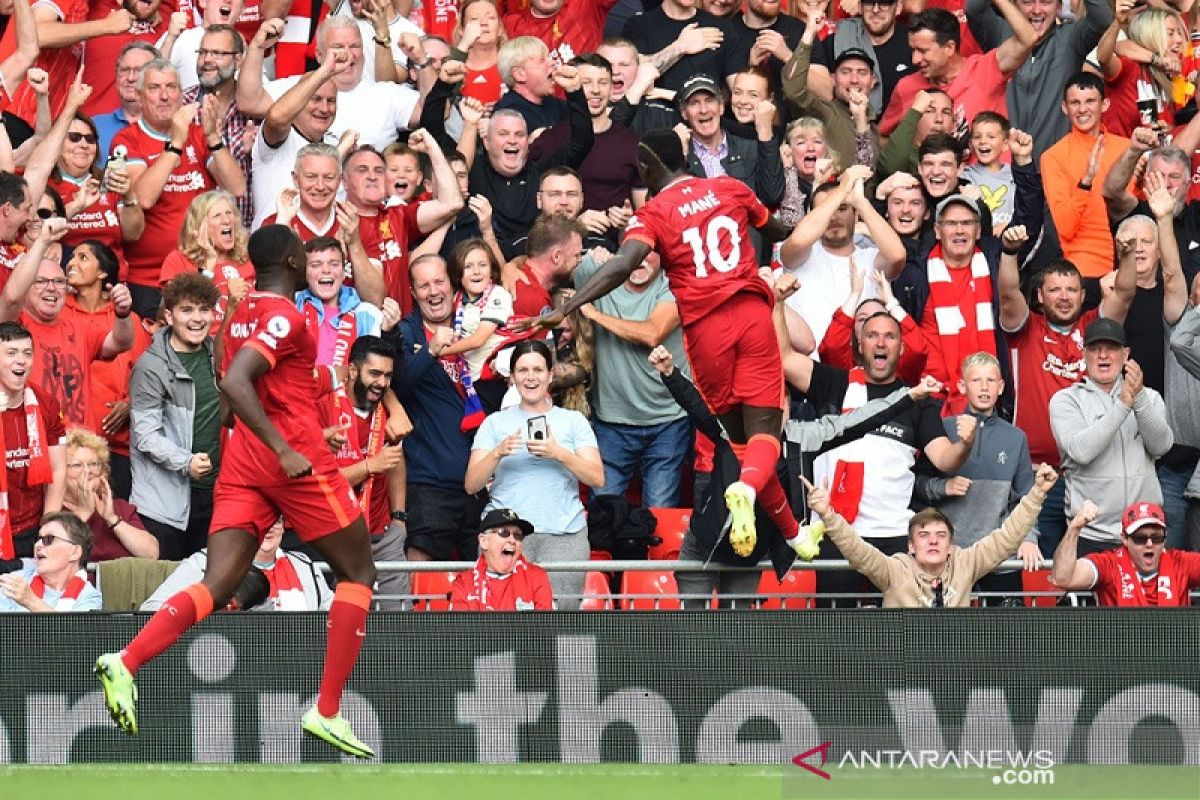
849, 477
483, 600
39, 471
375, 442
963, 314
286, 589
74, 587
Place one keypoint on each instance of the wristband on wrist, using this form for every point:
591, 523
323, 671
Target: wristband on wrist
170, 147
213, 148
385, 42
400, 516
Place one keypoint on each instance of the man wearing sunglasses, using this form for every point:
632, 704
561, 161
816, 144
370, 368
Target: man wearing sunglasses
55, 579
502, 580
1141, 573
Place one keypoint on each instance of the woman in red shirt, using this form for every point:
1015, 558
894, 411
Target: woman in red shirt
1150, 82
480, 36
213, 241
97, 207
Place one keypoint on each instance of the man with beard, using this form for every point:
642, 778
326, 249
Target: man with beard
872, 477
878, 35
1046, 348
762, 36
144, 21
172, 160
1144, 572
217, 61
822, 250
904, 207
185, 39
441, 515
1062, 45
389, 233
375, 469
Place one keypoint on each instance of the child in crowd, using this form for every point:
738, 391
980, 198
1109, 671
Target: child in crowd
405, 174
989, 143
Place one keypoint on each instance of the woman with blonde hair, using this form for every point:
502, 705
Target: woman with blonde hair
808, 162
213, 241
477, 40
117, 530
1149, 75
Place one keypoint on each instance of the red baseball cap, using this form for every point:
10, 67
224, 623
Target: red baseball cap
1140, 515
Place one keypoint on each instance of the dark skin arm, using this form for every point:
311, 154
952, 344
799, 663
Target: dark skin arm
774, 230
237, 387
611, 275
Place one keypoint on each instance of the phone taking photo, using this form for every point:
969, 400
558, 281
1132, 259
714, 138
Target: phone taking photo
536, 428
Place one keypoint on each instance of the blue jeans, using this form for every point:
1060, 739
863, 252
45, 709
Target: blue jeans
658, 450
1052, 522
1173, 482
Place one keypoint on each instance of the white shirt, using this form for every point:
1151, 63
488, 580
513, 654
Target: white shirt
825, 285
397, 26
183, 55
272, 170
376, 110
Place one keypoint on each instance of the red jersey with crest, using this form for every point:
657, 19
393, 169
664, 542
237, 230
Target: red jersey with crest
388, 237
288, 392
1119, 584
375, 503
701, 228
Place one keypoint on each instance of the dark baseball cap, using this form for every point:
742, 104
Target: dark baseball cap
1104, 330
500, 517
700, 82
853, 52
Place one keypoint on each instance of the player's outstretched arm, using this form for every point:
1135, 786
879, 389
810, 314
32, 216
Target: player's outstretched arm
238, 388
611, 275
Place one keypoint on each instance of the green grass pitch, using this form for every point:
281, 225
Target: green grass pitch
576, 782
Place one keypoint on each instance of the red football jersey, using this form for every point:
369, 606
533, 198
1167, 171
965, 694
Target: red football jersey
701, 228
339, 411
270, 324
26, 503
575, 29
387, 237
1178, 572
60, 63
100, 221
100, 54
187, 181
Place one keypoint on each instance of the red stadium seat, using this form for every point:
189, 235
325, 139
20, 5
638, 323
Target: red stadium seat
659, 589
1039, 581
795, 584
601, 555
672, 525
431, 590
597, 596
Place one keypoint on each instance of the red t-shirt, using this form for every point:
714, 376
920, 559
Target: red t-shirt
100, 54
177, 264
1178, 572
1044, 361
387, 237
532, 299
1133, 100
484, 85
979, 86
60, 63
63, 352
109, 379
187, 181
526, 590
10, 254
958, 8
25, 502
308, 230
338, 411
701, 228
100, 221
576, 29
288, 392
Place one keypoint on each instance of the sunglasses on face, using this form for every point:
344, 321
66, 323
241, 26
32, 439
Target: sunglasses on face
75, 137
45, 213
505, 533
1147, 538
47, 539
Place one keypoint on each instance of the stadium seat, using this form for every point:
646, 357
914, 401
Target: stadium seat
658, 590
601, 555
597, 596
431, 590
1039, 581
125, 583
788, 593
672, 525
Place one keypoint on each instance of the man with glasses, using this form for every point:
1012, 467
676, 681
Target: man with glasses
502, 580
216, 64
35, 466
55, 579
134, 56
1142, 573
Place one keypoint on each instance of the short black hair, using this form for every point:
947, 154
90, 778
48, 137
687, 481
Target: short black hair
365, 346
527, 346
110, 265
827, 186
1084, 80
592, 60
320, 244
14, 332
940, 22
938, 142
664, 146
270, 246
13, 189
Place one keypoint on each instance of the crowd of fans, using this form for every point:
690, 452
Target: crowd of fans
998, 194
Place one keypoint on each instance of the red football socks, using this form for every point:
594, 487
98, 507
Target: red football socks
758, 472
347, 628
170, 622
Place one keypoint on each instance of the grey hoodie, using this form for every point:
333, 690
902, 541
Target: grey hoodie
162, 398
1108, 451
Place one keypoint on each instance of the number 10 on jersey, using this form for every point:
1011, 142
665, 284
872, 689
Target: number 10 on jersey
706, 249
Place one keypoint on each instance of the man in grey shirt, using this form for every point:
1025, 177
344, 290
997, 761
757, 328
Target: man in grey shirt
1035, 90
638, 426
